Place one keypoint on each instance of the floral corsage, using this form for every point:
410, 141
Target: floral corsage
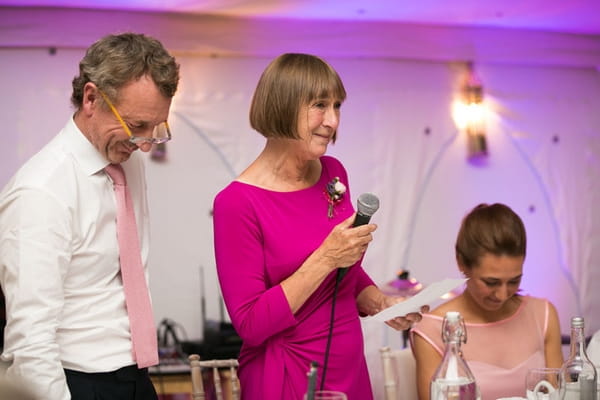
334, 192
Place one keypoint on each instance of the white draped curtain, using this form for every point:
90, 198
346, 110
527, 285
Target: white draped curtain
397, 139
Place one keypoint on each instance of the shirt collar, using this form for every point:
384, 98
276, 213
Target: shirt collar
83, 151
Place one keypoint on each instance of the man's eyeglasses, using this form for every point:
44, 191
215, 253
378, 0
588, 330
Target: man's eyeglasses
160, 134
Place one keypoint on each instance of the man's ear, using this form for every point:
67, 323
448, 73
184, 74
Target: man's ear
90, 100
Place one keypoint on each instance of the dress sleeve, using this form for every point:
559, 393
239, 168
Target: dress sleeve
35, 248
336, 168
429, 329
362, 280
257, 310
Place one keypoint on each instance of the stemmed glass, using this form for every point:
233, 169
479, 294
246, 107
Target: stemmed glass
328, 395
542, 384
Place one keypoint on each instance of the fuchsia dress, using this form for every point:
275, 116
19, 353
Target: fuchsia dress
261, 238
500, 353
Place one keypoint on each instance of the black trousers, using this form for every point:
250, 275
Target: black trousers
127, 383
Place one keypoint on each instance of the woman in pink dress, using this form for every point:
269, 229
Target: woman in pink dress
507, 333
282, 230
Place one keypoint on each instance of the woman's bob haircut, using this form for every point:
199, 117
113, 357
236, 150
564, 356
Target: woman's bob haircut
290, 82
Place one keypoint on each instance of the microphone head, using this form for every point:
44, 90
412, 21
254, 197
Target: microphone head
367, 204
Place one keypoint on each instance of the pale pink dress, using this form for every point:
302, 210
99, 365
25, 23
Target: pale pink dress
499, 354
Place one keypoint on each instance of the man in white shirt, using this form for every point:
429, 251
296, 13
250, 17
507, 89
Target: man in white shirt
68, 331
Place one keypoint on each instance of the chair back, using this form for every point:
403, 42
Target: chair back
229, 389
399, 374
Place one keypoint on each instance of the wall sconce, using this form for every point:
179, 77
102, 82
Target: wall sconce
470, 116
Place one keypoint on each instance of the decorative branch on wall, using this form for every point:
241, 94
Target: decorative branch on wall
209, 142
555, 225
196, 129
422, 189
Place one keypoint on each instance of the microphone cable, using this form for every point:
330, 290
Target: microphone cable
366, 206
338, 279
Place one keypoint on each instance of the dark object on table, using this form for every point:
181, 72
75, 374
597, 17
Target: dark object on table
221, 341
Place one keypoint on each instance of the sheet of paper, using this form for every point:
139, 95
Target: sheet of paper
423, 298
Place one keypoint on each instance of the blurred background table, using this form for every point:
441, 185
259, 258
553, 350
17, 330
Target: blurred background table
172, 381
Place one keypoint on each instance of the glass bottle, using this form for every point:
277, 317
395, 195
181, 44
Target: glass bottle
578, 375
312, 381
453, 379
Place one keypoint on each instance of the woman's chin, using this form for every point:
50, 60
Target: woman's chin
319, 151
493, 305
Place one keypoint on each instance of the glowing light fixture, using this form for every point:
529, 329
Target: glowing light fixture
469, 115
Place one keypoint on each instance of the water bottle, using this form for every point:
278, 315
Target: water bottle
578, 375
312, 381
453, 379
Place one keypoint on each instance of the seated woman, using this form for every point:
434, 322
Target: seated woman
507, 333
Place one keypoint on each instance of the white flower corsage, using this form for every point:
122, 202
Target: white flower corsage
334, 193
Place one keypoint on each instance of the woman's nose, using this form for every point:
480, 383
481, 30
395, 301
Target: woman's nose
502, 293
332, 118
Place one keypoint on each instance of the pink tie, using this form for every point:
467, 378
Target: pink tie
139, 309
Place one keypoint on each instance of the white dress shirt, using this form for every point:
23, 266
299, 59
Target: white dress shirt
59, 264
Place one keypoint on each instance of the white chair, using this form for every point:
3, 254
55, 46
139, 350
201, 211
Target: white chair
231, 386
399, 374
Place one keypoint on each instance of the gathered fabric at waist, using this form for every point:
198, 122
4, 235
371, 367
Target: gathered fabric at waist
282, 362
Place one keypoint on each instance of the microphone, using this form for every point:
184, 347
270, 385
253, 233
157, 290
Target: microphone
366, 205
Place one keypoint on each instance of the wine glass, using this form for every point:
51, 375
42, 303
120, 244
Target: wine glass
542, 384
328, 395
